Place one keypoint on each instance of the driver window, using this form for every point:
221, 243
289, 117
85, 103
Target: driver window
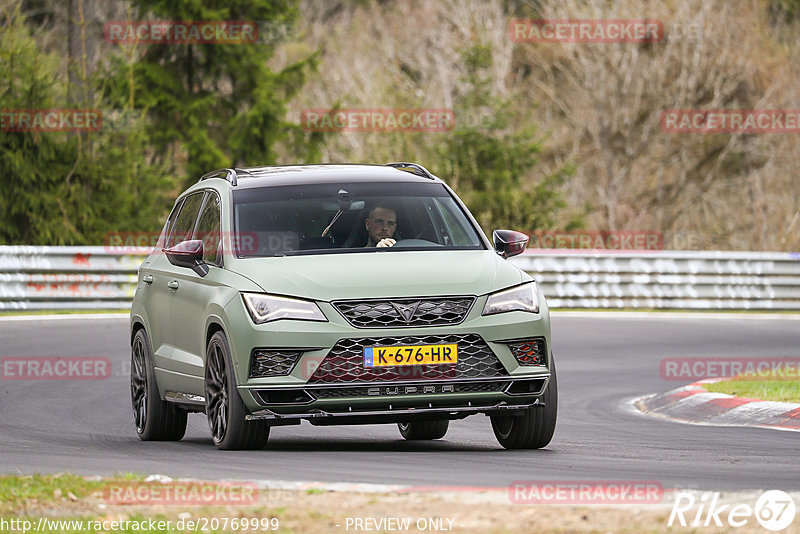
184, 224
208, 230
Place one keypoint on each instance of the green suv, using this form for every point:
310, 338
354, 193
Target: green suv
338, 294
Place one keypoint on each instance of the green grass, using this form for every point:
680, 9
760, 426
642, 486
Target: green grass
783, 387
70, 504
17, 492
758, 389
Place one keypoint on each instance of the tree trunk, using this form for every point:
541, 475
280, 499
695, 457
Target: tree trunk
82, 28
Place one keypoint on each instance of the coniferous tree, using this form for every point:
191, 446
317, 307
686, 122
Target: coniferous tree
56, 190
218, 105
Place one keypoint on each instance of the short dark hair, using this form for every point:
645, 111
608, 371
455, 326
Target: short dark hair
381, 204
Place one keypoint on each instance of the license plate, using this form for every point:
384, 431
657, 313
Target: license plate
410, 355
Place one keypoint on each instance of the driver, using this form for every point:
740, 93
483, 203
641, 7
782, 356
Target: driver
381, 224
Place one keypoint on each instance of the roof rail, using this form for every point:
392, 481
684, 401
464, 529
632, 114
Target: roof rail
413, 168
229, 174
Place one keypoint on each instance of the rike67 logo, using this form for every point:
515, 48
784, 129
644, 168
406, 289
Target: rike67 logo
774, 510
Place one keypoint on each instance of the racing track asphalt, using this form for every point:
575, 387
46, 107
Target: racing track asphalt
86, 427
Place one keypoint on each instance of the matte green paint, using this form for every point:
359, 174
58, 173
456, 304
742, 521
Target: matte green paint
374, 274
178, 321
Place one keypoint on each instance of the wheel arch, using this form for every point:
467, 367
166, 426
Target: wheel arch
214, 324
137, 323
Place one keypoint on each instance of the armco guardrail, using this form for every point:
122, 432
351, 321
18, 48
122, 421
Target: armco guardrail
666, 279
47, 278
98, 278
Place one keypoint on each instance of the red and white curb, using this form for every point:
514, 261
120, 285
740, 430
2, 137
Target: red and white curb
694, 404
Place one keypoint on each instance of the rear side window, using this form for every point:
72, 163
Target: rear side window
184, 224
208, 230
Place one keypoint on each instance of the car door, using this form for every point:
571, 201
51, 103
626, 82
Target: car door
191, 298
154, 294
165, 275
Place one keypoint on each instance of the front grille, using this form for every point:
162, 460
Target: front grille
405, 312
367, 391
270, 362
345, 361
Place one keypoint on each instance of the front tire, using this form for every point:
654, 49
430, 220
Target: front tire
156, 419
224, 407
423, 430
534, 429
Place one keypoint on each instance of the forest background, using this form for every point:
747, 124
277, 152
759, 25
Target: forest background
547, 137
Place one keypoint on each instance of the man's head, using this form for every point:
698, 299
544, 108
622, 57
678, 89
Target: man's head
381, 223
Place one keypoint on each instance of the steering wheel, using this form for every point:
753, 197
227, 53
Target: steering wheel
416, 243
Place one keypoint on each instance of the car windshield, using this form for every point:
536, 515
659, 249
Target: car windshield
331, 218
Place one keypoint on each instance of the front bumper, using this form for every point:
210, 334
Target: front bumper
396, 415
397, 401
298, 396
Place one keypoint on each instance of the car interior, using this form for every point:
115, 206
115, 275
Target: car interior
319, 224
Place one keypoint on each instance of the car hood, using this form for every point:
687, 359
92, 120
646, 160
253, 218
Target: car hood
382, 274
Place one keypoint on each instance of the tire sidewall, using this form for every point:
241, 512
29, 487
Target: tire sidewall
518, 432
220, 339
139, 336
236, 425
154, 402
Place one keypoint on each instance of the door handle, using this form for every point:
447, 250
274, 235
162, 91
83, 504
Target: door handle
172, 284
147, 279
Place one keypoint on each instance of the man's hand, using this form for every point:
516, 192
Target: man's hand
386, 242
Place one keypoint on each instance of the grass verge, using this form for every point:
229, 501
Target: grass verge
70, 504
781, 386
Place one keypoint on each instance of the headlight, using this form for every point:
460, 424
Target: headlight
521, 298
264, 308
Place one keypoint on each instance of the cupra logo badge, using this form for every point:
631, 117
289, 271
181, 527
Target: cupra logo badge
406, 311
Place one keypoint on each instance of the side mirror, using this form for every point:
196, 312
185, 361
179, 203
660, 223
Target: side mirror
188, 254
509, 243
